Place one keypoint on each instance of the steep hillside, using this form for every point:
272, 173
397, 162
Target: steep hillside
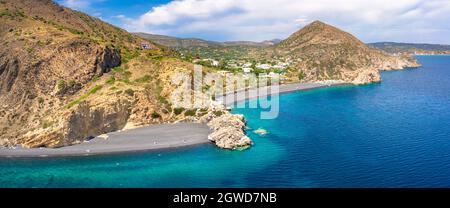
325, 52
66, 77
48, 55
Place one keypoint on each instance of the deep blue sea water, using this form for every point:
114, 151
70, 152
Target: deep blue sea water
393, 134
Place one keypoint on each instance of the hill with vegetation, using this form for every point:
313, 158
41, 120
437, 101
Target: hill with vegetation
324, 52
66, 76
412, 48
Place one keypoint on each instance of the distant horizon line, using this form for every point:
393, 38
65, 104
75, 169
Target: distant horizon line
228, 41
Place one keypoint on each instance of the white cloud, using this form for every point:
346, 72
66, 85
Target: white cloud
78, 4
193, 9
376, 20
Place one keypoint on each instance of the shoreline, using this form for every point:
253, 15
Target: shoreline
150, 138
154, 137
231, 99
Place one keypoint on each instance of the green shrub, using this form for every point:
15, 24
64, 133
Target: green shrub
162, 99
129, 92
124, 75
95, 78
203, 113
71, 83
40, 43
205, 88
95, 89
125, 80
218, 113
127, 55
178, 111
155, 115
118, 69
46, 125
83, 97
111, 80
191, 112
301, 75
30, 50
61, 84
144, 79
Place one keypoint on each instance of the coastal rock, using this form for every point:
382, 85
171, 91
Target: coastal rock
229, 133
366, 77
230, 138
397, 63
260, 131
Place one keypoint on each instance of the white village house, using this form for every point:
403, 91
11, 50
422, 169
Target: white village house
264, 66
247, 70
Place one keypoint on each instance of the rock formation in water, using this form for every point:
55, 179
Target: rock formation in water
229, 132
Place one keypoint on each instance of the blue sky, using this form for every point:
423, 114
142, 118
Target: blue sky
108, 10
417, 21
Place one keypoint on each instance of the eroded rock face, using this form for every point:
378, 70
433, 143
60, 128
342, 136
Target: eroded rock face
366, 77
228, 132
80, 123
88, 121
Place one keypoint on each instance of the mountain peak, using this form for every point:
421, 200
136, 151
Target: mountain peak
318, 33
317, 23
319, 26
328, 53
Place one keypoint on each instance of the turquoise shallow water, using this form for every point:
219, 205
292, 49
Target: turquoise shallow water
393, 134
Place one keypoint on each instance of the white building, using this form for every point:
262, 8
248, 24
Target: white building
247, 70
247, 65
264, 66
280, 66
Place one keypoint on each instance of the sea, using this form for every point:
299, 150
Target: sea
388, 135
